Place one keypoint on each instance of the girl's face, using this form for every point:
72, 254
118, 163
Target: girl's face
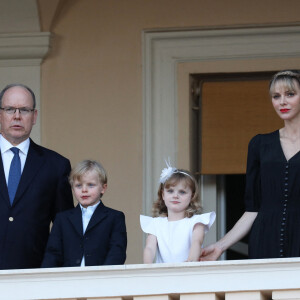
286, 102
178, 197
88, 189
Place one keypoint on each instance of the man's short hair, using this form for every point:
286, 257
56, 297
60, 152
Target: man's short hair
20, 85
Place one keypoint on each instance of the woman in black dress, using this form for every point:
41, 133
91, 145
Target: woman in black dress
272, 195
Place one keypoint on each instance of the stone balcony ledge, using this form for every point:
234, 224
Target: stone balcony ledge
206, 280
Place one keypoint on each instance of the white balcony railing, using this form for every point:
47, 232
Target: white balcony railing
230, 280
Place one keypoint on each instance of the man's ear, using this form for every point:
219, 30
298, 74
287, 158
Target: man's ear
35, 113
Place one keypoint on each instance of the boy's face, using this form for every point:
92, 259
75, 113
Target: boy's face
88, 190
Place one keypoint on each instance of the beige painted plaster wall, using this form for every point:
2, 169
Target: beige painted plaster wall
92, 82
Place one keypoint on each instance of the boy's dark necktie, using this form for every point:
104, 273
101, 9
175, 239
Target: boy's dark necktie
14, 174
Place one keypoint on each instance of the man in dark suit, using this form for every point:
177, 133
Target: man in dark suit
90, 234
33, 183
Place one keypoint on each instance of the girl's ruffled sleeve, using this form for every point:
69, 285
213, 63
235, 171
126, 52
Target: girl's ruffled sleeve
148, 224
206, 219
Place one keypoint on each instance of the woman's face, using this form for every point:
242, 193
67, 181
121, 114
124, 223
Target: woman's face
286, 101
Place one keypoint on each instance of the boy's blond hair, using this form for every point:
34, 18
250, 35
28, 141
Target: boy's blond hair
86, 166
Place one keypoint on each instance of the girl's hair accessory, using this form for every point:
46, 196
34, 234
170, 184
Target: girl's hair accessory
167, 172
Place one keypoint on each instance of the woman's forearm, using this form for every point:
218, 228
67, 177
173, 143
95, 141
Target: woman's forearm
238, 231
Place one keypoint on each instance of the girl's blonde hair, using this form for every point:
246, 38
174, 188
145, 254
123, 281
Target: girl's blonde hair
287, 78
159, 207
86, 166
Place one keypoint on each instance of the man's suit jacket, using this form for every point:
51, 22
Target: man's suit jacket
42, 192
103, 243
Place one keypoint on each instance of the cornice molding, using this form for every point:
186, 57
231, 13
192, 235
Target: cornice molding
24, 48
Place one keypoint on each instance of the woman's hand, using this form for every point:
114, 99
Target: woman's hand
239, 230
212, 252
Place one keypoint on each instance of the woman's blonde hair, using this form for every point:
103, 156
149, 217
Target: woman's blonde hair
159, 207
86, 166
287, 78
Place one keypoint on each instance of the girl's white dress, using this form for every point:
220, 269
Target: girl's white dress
174, 238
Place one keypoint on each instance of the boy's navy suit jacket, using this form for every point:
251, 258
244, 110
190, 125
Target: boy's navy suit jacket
103, 243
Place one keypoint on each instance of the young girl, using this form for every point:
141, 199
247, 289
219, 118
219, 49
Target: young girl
177, 230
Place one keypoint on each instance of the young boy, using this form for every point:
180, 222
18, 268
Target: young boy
90, 234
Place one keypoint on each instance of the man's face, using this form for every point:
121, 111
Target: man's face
16, 127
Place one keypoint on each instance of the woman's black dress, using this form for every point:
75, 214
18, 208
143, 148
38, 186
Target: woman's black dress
273, 190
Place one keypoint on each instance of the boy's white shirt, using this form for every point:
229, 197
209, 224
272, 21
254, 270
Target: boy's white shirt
86, 214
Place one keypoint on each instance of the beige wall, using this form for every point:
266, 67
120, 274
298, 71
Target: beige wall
92, 81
